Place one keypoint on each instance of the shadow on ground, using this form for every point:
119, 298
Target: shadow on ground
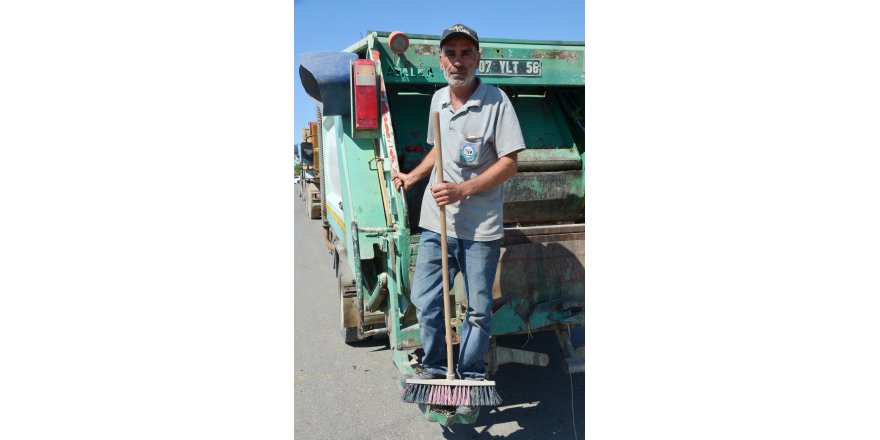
541, 401
537, 401
377, 343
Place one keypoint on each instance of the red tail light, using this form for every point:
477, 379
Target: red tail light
366, 95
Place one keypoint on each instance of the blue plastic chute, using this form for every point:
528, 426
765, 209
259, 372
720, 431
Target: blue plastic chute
326, 77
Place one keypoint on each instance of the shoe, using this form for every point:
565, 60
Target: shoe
423, 374
465, 410
419, 374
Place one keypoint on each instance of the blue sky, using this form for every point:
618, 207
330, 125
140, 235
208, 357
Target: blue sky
322, 25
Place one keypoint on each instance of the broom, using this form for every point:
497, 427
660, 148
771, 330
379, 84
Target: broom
449, 391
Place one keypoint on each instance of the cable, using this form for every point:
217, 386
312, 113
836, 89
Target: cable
571, 387
573, 424
529, 337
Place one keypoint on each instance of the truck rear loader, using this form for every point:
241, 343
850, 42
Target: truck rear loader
373, 101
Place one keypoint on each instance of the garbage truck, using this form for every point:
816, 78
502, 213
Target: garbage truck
372, 103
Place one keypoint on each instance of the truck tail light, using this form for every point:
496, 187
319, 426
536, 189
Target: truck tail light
366, 95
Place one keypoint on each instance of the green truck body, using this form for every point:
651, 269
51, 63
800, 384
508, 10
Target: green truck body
372, 231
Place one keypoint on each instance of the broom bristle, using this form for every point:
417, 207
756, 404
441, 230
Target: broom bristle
451, 395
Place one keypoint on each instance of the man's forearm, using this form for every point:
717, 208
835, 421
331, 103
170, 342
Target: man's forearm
497, 174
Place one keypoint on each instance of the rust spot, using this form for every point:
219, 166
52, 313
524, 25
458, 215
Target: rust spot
426, 49
555, 54
408, 344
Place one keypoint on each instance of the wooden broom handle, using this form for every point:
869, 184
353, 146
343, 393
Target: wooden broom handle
450, 372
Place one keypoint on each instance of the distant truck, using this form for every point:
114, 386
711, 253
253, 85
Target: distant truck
309, 177
373, 102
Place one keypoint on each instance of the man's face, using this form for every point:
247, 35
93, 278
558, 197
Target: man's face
459, 59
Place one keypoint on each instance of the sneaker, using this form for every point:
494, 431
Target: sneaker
424, 374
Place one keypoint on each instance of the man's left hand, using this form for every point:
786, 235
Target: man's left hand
448, 193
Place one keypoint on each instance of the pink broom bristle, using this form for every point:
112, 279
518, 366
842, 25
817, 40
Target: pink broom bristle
459, 396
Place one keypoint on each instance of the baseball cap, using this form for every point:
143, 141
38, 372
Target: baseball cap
460, 29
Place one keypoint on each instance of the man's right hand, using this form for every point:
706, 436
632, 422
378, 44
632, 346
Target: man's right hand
402, 179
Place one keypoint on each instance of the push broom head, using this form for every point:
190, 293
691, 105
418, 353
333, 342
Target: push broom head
447, 392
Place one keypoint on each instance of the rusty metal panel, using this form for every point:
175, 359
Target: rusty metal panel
549, 159
539, 272
533, 233
546, 196
538, 265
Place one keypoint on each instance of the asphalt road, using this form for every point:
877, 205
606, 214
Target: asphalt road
351, 392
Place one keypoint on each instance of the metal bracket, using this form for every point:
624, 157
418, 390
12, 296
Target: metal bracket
506, 355
372, 161
574, 360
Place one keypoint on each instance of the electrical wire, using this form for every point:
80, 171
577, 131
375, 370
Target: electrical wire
571, 387
529, 337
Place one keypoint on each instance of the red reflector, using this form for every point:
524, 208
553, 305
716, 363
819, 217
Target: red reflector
366, 95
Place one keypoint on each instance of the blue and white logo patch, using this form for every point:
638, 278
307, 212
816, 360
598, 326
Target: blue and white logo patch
468, 153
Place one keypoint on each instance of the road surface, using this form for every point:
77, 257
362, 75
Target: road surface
351, 392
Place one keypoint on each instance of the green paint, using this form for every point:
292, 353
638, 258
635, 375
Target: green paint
442, 416
520, 317
562, 61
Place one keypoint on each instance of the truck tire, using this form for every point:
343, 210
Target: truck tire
351, 335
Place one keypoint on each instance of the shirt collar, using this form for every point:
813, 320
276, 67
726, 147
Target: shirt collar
475, 100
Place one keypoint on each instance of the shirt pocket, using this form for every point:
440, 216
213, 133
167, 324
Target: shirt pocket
470, 151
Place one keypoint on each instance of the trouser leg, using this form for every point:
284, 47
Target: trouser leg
427, 296
478, 261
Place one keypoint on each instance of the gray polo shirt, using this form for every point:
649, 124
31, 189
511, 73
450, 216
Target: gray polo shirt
473, 139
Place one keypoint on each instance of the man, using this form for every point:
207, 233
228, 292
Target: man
480, 137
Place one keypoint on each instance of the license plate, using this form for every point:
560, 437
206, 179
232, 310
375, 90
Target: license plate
509, 67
